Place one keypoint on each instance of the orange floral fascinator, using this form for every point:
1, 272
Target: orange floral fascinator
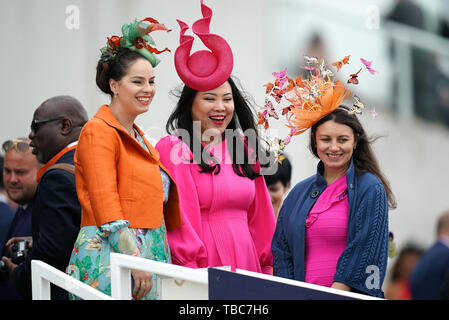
309, 111
300, 103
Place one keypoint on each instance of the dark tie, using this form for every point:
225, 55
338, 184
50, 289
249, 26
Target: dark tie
20, 210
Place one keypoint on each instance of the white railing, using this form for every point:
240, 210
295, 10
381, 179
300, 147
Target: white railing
43, 274
173, 282
307, 285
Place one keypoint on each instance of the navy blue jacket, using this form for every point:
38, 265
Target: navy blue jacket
427, 277
20, 227
363, 263
55, 225
6, 217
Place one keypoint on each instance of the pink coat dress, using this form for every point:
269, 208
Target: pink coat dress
227, 220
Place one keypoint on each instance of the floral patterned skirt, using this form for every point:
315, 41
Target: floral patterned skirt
90, 260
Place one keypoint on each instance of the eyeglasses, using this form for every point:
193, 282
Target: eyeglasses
18, 144
36, 124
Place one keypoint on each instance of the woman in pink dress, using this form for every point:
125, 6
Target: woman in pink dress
227, 216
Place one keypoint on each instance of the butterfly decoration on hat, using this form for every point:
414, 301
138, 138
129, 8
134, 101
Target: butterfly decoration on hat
354, 77
339, 64
301, 102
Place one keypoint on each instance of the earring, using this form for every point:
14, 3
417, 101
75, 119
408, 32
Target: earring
115, 94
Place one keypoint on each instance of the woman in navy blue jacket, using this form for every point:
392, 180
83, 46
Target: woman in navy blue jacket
332, 229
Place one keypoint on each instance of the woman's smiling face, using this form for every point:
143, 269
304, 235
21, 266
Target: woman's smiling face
214, 108
136, 89
335, 144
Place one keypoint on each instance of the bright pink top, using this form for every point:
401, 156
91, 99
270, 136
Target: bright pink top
326, 231
227, 220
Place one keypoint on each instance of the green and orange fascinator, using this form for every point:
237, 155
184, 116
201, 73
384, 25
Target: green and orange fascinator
135, 37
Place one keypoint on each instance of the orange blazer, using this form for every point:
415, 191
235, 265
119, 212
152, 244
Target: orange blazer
117, 179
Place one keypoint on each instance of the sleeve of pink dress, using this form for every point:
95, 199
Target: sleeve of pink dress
262, 224
185, 244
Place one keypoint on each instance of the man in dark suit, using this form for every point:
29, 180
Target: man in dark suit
428, 276
56, 215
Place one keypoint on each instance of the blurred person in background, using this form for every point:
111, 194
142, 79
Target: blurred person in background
428, 276
19, 173
3, 194
430, 68
443, 29
398, 286
316, 47
411, 14
440, 77
278, 184
6, 211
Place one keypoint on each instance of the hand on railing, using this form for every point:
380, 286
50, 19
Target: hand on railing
143, 282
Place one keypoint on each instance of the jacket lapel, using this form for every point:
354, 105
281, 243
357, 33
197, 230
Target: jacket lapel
351, 183
154, 153
105, 114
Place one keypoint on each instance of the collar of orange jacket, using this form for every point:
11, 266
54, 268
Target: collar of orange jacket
105, 114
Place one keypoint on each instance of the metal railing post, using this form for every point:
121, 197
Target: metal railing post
40, 288
122, 264
120, 279
43, 274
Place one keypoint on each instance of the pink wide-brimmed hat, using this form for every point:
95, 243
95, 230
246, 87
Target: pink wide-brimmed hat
203, 70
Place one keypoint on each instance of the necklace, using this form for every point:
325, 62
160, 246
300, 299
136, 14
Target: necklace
131, 132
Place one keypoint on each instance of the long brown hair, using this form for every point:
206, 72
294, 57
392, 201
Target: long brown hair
363, 156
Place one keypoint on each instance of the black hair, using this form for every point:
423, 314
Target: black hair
181, 118
115, 68
282, 174
363, 156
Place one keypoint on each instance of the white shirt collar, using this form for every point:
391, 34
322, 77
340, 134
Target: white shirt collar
74, 143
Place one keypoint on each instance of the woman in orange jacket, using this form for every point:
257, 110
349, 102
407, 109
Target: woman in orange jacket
128, 198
